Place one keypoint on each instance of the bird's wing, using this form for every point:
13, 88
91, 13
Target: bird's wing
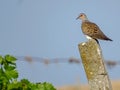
92, 30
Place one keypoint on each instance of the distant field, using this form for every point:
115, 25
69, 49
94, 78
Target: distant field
115, 85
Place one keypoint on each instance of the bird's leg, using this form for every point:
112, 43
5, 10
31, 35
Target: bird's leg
97, 41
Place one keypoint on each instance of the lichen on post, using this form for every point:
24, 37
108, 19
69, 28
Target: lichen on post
93, 63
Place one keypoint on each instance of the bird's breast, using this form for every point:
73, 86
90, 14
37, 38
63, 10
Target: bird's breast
89, 28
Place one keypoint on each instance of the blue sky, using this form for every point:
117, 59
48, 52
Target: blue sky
48, 28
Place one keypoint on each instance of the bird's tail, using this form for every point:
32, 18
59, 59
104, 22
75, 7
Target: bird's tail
108, 39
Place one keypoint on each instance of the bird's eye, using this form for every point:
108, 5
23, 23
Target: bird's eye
81, 15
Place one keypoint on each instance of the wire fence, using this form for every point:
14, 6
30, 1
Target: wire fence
46, 61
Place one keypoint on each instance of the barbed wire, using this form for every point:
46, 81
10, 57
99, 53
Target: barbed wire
46, 61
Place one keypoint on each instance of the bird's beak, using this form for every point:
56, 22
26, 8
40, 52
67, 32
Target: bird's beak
77, 18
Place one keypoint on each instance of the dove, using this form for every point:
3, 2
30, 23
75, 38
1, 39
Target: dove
91, 30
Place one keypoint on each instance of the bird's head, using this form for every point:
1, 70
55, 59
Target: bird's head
82, 16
